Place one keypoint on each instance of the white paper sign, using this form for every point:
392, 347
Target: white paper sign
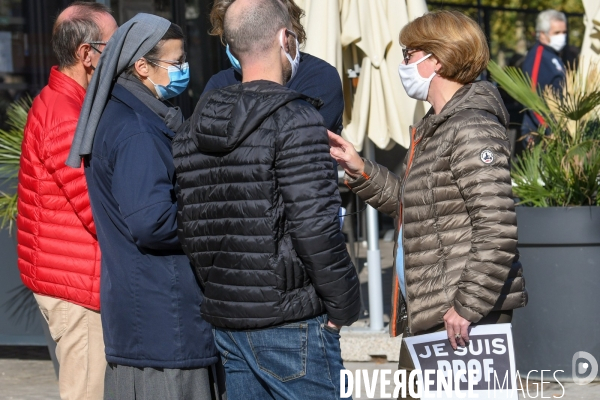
485, 369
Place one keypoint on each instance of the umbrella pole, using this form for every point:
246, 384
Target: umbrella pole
373, 257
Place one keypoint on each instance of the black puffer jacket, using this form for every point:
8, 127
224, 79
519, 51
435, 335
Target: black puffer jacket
258, 210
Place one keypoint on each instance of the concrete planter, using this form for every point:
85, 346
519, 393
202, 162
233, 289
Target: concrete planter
560, 252
21, 322
19, 315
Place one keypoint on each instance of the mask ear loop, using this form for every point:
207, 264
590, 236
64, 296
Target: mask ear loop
288, 55
423, 59
281, 37
293, 61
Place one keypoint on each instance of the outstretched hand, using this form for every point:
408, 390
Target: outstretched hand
344, 154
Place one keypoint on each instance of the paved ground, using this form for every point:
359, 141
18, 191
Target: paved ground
26, 373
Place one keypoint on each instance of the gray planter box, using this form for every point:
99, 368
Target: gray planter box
560, 252
20, 322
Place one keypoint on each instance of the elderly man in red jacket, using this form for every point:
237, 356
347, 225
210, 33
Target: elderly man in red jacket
58, 251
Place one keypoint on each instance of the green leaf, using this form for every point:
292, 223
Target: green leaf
10, 154
519, 86
563, 169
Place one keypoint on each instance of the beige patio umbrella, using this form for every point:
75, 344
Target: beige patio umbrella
361, 36
365, 46
590, 50
380, 108
322, 25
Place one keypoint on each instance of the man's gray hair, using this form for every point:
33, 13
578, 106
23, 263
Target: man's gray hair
546, 17
254, 30
73, 31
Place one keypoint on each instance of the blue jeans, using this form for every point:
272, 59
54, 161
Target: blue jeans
300, 360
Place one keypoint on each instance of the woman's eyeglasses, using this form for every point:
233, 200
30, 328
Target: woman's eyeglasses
177, 64
407, 54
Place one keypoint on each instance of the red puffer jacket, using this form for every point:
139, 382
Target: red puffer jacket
58, 250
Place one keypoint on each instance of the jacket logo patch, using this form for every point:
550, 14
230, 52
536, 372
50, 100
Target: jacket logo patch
557, 64
487, 156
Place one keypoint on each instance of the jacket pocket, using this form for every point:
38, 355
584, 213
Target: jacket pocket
281, 351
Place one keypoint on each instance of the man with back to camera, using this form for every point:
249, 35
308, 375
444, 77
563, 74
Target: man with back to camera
58, 251
258, 217
544, 65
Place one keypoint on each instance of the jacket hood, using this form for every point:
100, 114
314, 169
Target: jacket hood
481, 95
225, 117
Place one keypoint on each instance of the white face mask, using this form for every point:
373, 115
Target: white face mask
558, 42
415, 85
295, 62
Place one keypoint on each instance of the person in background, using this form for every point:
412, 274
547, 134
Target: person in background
544, 65
157, 344
58, 253
456, 253
258, 217
315, 78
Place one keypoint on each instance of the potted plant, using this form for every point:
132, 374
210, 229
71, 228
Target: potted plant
10, 153
19, 314
17, 307
556, 184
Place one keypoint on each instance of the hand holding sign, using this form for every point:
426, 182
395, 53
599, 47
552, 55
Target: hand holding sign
457, 328
485, 368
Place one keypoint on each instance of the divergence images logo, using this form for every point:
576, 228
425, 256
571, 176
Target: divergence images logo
580, 367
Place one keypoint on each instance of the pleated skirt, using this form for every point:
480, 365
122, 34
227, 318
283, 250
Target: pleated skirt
131, 383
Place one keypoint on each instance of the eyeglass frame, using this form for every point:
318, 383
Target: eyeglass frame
97, 42
176, 64
406, 55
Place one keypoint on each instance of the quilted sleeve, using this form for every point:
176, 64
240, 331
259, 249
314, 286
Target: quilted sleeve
378, 187
480, 164
308, 185
71, 181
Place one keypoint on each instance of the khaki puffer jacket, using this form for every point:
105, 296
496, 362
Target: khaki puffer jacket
454, 200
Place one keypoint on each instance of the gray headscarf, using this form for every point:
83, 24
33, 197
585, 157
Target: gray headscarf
133, 40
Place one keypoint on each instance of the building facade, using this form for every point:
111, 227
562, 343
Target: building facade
25, 61
26, 55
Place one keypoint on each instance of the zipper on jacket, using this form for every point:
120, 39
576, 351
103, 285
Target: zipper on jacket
413, 145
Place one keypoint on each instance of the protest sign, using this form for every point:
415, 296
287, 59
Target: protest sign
483, 369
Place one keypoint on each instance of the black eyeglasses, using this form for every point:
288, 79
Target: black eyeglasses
176, 64
407, 54
97, 44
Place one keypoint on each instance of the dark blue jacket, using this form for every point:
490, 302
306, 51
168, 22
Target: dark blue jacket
315, 78
550, 72
150, 299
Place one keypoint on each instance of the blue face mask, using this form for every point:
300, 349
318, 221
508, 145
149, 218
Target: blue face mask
179, 76
234, 61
